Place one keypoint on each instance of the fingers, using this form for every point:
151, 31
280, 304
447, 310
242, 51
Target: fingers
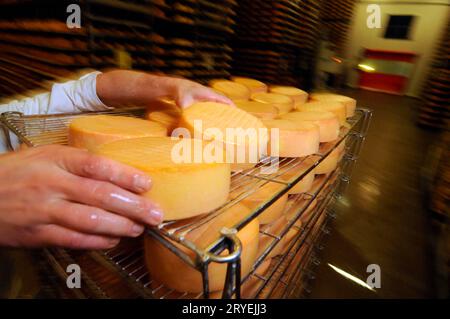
91, 220
84, 164
207, 94
221, 99
53, 235
112, 198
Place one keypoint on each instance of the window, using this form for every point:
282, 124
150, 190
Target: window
398, 27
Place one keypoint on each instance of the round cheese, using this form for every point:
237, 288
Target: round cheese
348, 102
261, 196
305, 184
309, 211
243, 135
296, 139
166, 113
258, 109
299, 96
168, 269
89, 132
181, 185
253, 85
329, 164
283, 103
335, 107
327, 122
234, 91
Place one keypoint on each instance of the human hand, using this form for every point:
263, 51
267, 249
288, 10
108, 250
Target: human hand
188, 92
61, 196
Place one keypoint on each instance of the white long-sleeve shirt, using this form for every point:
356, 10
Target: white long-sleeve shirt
72, 96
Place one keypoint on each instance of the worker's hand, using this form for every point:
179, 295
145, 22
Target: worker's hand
121, 88
61, 196
188, 92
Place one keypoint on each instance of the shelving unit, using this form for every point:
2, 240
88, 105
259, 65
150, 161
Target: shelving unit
435, 110
121, 272
277, 40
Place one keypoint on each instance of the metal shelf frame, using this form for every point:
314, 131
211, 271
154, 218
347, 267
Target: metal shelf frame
52, 129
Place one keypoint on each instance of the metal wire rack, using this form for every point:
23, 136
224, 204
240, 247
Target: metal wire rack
52, 129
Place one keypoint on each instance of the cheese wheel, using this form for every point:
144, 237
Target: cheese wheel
329, 164
335, 107
232, 90
167, 268
260, 110
283, 103
253, 85
181, 189
216, 121
261, 196
166, 113
348, 102
275, 228
299, 96
327, 122
305, 184
253, 284
296, 139
89, 132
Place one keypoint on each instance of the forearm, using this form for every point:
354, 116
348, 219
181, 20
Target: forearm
129, 88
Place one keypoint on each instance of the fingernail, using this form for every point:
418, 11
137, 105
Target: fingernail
137, 229
113, 242
156, 215
142, 182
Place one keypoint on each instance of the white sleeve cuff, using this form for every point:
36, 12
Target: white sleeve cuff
76, 96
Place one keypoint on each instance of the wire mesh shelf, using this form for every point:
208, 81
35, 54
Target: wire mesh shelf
127, 259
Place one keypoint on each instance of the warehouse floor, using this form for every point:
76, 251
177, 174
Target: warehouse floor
381, 219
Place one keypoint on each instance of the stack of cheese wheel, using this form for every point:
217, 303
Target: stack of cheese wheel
167, 268
296, 139
335, 107
283, 103
261, 196
348, 102
89, 132
258, 109
243, 135
276, 228
327, 122
253, 85
302, 186
182, 187
233, 90
166, 113
299, 96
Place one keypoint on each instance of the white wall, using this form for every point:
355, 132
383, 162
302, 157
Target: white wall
426, 32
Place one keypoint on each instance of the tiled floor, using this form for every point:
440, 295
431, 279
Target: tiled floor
382, 219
